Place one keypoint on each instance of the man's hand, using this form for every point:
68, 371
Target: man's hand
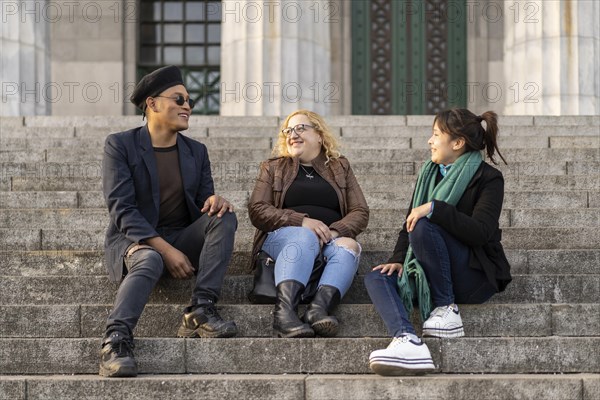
177, 263
388, 268
216, 204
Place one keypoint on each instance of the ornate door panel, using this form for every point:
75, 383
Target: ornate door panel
408, 56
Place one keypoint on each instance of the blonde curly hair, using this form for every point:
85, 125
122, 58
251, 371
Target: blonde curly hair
330, 143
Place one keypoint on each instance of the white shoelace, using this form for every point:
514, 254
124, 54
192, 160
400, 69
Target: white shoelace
398, 341
442, 312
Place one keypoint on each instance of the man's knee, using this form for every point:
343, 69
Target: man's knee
146, 259
227, 222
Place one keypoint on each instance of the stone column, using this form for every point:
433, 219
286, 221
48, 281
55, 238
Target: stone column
276, 57
485, 56
340, 12
87, 40
551, 57
24, 60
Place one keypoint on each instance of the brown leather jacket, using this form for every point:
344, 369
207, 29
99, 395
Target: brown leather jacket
275, 177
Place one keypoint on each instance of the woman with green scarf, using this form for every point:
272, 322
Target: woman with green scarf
448, 250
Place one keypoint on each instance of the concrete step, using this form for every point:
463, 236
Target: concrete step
66, 262
133, 121
374, 239
305, 387
584, 148
90, 143
352, 123
356, 320
84, 263
333, 120
421, 133
97, 219
52, 290
368, 183
317, 355
383, 198
245, 170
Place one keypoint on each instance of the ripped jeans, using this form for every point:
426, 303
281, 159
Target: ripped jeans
295, 249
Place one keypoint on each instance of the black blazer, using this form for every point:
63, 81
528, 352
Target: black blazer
131, 191
475, 222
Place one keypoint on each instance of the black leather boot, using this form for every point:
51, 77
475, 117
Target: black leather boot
116, 356
286, 323
317, 313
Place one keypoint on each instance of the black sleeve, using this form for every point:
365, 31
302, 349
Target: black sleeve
478, 228
401, 247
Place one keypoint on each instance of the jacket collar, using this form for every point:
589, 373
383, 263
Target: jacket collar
317, 163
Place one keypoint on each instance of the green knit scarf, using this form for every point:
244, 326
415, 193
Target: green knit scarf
450, 190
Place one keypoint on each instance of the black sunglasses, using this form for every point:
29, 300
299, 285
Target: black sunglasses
180, 100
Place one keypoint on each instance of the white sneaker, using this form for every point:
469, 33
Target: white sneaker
444, 322
401, 356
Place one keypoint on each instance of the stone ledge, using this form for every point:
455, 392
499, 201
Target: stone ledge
318, 355
34, 182
356, 320
85, 263
303, 387
551, 120
112, 122
10, 122
164, 387
375, 239
54, 290
448, 387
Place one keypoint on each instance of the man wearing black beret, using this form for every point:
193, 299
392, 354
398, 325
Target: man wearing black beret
164, 218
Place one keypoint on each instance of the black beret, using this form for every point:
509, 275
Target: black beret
155, 83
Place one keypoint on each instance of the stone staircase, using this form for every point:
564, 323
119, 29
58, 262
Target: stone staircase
538, 340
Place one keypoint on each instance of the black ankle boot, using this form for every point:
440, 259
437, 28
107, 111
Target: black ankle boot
116, 356
317, 313
286, 323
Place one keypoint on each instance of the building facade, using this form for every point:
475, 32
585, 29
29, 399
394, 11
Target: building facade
337, 57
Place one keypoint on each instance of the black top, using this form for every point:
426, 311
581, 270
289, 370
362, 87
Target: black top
310, 194
173, 211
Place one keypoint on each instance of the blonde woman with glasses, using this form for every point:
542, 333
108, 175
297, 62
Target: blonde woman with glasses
306, 201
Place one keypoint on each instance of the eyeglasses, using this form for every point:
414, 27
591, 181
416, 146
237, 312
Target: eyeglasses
298, 129
180, 100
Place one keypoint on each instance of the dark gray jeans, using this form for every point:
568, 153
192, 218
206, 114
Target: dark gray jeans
207, 242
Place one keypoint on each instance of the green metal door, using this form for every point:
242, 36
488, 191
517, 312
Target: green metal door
408, 56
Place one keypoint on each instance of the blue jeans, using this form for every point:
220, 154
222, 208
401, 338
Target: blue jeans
208, 244
295, 249
445, 261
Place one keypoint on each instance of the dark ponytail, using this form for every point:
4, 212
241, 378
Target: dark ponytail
462, 123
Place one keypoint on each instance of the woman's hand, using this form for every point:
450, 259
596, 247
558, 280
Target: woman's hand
319, 228
416, 214
389, 268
